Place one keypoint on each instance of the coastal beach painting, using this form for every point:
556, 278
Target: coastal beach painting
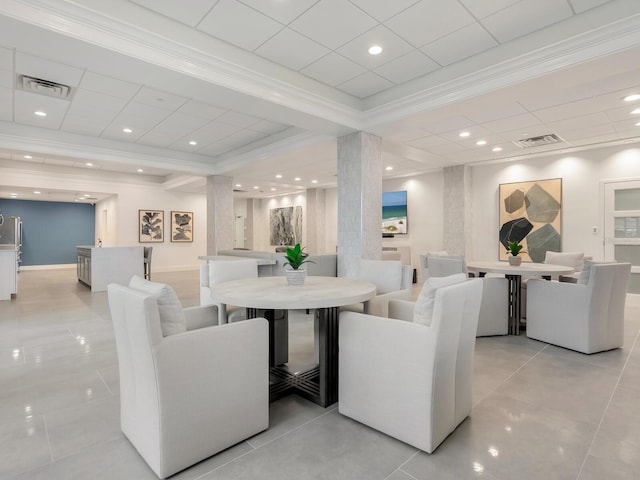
394, 212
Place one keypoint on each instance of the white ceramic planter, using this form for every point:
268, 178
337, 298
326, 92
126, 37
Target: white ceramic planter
515, 261
295, 278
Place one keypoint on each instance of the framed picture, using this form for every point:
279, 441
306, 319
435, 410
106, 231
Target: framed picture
151, 226
531, 213
181, 226
394, 212
285, 226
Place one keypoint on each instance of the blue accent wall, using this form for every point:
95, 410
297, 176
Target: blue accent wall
51, 230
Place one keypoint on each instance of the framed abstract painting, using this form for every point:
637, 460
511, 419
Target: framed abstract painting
531, 213
181, 226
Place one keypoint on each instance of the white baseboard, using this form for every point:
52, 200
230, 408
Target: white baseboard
48, 267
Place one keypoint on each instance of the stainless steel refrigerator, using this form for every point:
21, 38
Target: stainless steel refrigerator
11, 234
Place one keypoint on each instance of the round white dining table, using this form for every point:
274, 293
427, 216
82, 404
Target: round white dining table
514, 275
266, 296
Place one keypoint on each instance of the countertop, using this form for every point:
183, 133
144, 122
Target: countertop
9, 248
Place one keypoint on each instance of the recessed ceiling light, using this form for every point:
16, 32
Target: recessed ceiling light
464, 134
273, 189
127, 130
314, 181
40, 113
255, 187
140, 170
632, 98
89, 164
496, 149
37, 192
86, 195
28, 156
14, 195
375, 49
278, 176
192, 142
481, 142
238, 185
638, 124
297, 179
635, 112
389, 168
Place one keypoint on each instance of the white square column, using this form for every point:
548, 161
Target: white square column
219, 213
457, 211
359, 201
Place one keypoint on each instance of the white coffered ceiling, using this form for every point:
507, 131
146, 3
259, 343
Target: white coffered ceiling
255, 88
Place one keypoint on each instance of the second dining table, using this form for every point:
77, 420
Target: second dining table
514, 276
264, 295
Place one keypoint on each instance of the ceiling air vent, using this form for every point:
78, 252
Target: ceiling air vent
538, 141
43, 87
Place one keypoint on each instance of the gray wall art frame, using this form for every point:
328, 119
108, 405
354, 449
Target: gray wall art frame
181, 226
531, 213
151, 226
285, 226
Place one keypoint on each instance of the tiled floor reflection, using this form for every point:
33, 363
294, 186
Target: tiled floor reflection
539, 411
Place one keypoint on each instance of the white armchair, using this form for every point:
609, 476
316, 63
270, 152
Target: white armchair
393, 281
218, 271
181, 399
587, 317
419, 389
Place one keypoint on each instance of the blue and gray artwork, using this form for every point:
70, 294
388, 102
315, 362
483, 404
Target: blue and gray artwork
151, 225
182, 227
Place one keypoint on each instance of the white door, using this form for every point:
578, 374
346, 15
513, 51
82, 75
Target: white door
238, 241
622, 226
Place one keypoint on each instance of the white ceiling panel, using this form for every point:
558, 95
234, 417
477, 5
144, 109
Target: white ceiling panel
486, 7
365, 85
267, 127
237, 119
448, 148
580, 6
381, 10
619, 81
109, 85
6, 104
213, 131
428, 142
47, 69
160, 138
142, 115
357, 50
583, 121
508, 124
291, 49
430, 27
448, 124
6, 58
27, 103
587, 133
180, 124
476, 132
6, 78
525, 17
333, 69
551, 97
89, 102
283, 12
239, 25
202, 110
567, 110
623, 112
189, 12
182, 144
114, 131
632, 126
495, 110
460, 44
412, 65
85, 125
159, 99
333, 23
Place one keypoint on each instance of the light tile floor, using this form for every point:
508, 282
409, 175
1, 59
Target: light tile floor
539, 411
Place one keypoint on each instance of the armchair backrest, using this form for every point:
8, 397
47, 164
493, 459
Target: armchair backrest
454, 324
443, 266
136, 324
386, 274
218, 271
608, 294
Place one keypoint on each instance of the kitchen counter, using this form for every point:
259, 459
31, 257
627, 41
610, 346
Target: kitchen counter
99, 266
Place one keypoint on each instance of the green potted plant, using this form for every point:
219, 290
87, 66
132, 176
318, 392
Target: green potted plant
514, 248
295, 257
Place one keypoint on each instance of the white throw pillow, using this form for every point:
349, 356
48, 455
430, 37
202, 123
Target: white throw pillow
386, 274
574, 260
423, 311
172, 319
229, 270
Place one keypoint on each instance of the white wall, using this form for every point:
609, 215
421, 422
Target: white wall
261, 225
581, 173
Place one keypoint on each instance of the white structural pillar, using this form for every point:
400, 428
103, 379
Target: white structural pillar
316, 220
359, 201
220, 226
457, 211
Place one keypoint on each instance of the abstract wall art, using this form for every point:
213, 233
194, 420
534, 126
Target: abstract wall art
181, 226
531, 213
150, 226
285, 226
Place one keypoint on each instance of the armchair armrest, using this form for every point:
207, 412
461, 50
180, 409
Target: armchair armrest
200, 317
379, 305
401, 310
570, 302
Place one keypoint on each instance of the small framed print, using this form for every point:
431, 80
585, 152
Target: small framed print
181, 226
151, 226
